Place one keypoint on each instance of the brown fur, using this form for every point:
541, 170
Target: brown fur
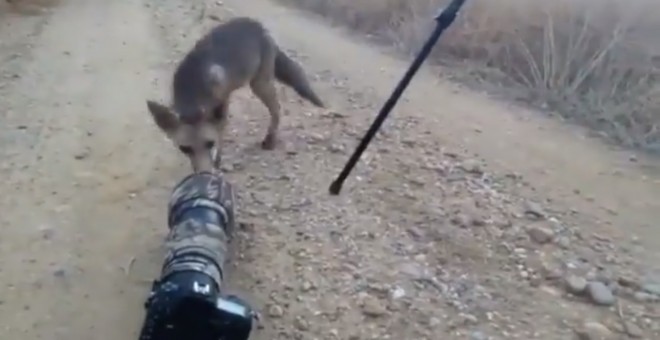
234, 54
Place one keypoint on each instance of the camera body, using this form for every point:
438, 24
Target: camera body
186, 302
186, 306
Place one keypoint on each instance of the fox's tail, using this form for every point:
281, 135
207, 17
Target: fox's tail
290, 73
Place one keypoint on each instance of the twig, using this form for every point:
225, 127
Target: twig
623, 320
127, 268
202, 13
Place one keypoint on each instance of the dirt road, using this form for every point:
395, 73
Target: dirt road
436, 236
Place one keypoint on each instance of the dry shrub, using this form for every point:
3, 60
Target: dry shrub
26, 7
594, 61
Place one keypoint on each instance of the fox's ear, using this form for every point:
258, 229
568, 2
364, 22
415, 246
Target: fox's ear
217, 75
163, 117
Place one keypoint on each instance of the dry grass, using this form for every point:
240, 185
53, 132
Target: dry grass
596, 62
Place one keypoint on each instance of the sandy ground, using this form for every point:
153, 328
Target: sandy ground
463, 211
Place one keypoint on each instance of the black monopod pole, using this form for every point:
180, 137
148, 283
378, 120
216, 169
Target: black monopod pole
443, 20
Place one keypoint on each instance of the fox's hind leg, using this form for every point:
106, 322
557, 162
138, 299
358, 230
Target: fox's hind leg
264, 88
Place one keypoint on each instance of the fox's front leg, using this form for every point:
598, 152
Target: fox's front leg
220, 120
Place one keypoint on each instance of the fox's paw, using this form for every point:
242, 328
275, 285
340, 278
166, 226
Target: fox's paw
269, 143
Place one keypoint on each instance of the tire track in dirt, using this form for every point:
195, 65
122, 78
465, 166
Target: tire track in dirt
73, 226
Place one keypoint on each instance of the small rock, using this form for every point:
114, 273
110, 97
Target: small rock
564, 242
633, 330
478, 221
473, 167
534, 210
645, 297
575, 284
334, 114
594, 331
461, 220
629, 282
315, 138
409, 143
550, 290
651, 288
300, 323
478, 335
81, 155
290, 149
226, 167
336, 148
600, 293
275, 311
47, 232
540, 234
398, 293
414, 270
535, 280
469, 319
373, 307
307, 286
614, 287
550, 271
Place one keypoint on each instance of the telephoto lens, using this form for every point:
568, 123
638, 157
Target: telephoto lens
201, 221
186, 301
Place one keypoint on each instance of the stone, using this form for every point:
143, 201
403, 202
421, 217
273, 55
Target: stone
398, 293
336, 148
645, 297
575, 284
633, 330
478, 335
81, 155
540, 234
534, 210
275, 311
469, 319
591, 330
651, 288
307, 286
472, 166
461, 220
600, 294
300, 323
564, 242
373, 307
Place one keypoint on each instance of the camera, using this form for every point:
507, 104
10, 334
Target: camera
186, 301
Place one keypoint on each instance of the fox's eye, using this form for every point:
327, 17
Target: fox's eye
186, 149
218, 113
209, 144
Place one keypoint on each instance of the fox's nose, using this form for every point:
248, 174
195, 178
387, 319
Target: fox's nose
204, 164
